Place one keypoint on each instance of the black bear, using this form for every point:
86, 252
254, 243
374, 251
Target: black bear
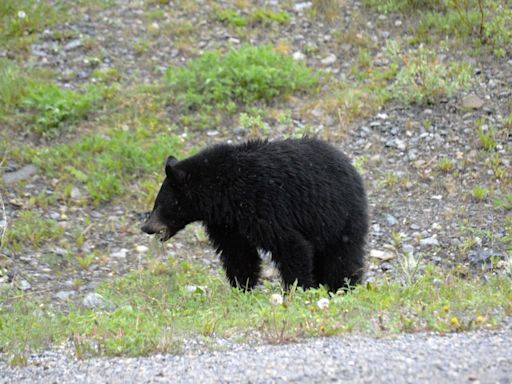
299, 199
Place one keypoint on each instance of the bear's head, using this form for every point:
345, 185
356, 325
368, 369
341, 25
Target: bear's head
174, 207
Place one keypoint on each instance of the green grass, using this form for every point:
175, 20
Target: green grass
106, 165
157, 309
388, 6
50, 107
22, 20
239, 77
29, 229
483, 22
30, 99
422, 78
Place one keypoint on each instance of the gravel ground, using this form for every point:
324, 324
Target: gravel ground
476, 357
400, 146
408, 195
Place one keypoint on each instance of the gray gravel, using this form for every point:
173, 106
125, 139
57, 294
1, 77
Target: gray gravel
476, 357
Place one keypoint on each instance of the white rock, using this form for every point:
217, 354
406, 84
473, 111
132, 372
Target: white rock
298, 55
323, 303
302, 6
331, 59
276, 299
429, 241
141, 248
75, 193
120, 254
24, 285
95, 300
382, 255
196, 289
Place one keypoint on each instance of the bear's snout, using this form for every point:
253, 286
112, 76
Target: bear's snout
147, 229
152, 225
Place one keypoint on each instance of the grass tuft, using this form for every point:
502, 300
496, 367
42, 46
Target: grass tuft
239, 77
158, 308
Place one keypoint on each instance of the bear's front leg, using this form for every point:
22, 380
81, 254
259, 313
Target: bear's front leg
240, 260
294, 259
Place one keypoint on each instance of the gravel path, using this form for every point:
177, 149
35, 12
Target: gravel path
476, 357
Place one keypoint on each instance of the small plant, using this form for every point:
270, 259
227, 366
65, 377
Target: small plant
31, 230
254, 123
360, 163
487, 138
230, 17
423, 79
51, 106
390, 179
480, 193
409, 267
504, 202
239, 77
105, 164
445, 164
85, 261
12, 86
267, 16
326, 9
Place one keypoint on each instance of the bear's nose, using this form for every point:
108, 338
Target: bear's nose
146, 228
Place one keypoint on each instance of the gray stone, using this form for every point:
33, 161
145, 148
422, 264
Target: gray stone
481, 255
73, 44
299, 7
21, 174
65, 295
95, 301
331, 59
24, 285
429, 241
472, 102
390, 219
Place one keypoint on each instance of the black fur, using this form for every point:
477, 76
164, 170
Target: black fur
300, 199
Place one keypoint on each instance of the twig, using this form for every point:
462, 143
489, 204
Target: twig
4, 214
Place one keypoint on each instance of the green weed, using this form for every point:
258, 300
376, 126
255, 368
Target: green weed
388, 6
480, 193
21, 20
230, 17
422, 78
106, 164
12, 85
487, 138
157, 309
29, 229
50, 106
266, 17
445, 164
239, 77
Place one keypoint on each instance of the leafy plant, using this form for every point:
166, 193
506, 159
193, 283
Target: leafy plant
106, 164
487, 138
230, 17
480, 193
239, 77
12, 85
32, 230
445, 164
156, 309
422, 78
51, 106
388, 6
267, 16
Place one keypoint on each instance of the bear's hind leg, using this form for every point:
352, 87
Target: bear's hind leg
340, 265
240, 260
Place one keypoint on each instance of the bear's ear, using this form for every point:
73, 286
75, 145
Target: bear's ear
175, 175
